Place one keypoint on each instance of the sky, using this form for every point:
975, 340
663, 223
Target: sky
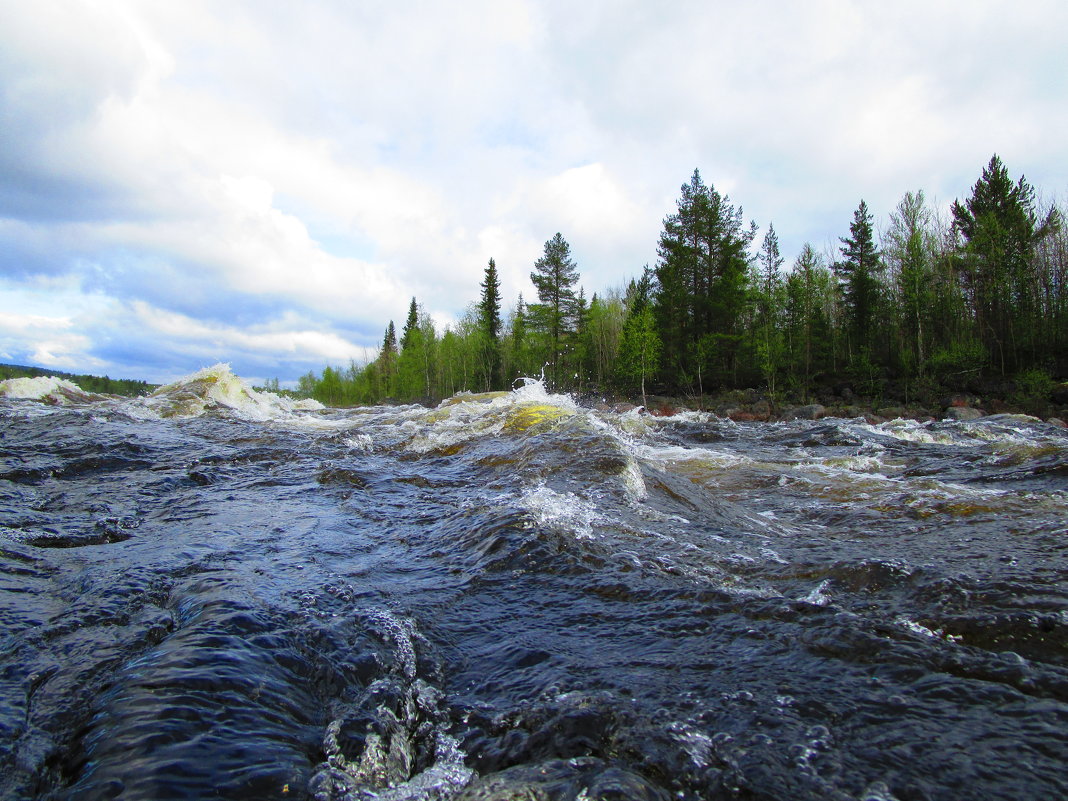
268, 184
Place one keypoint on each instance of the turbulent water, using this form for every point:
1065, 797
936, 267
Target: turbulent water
214, 593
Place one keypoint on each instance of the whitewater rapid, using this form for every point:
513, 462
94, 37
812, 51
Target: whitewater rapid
217, 592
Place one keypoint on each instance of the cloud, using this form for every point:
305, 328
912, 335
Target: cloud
268, 339
46, 341
247, 164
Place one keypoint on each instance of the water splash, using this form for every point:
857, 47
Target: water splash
47, 389
217, 387
561, 510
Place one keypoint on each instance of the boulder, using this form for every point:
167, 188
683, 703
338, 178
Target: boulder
814, 411
1056, 421
959, 400
964, 413
739, 416
893, 412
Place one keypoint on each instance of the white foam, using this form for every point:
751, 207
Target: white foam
359, 442
677, 454
818, 595
467, 416
43, 388
217, 387
561, 510
919, 628
911, 431
633, 481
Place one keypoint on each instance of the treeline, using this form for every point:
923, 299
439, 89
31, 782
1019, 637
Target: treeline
89, 383
929, 301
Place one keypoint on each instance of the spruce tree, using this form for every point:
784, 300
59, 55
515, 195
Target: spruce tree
858, 275
1001, 229
410, 325
387, 362
555, 275
702, 285
489, 323
769, 303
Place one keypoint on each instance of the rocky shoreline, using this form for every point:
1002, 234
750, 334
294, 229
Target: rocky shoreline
750, 405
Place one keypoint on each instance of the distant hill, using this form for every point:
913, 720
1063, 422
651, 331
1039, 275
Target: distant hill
90, 383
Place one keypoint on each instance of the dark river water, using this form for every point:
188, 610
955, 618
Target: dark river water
213, 594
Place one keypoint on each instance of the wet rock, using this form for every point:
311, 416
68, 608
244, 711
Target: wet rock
893, 412
1056, 421
814, 411
761, 410
964, 413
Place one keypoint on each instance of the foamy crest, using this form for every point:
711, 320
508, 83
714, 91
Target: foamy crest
534, 390
218, 388
469, 416
700, 457
910, 431
48, 389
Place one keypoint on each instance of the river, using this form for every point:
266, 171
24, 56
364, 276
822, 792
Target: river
218, 593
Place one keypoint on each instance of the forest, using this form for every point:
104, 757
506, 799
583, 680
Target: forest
928, 302
90, 383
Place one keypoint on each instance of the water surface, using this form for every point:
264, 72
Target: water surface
214, 593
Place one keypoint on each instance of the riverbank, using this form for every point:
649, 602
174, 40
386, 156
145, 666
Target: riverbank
751, 405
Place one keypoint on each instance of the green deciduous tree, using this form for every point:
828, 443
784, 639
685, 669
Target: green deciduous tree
809, 296
602, 332
910, 250
639, 344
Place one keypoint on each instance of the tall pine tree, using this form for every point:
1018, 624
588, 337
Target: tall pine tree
702, 286
1001, 229
410, 325
387, 363
555, 275
858, 274
769, 304
489, 324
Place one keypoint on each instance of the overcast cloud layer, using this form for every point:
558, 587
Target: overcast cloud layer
269, 183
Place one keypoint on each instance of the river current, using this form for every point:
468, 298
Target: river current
216, 593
